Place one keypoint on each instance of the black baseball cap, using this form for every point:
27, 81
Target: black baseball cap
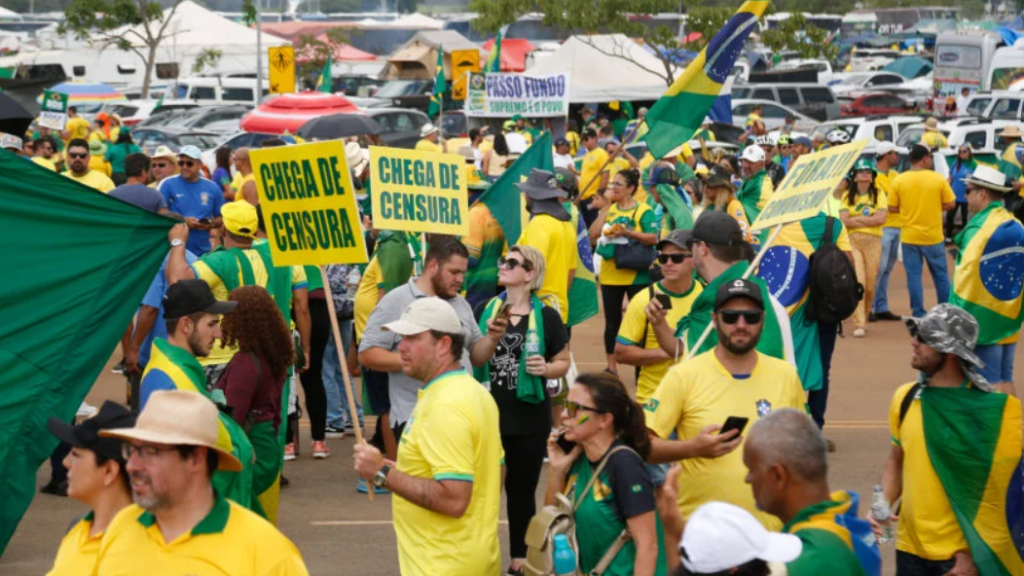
718, 228
738, 288
191, 296
679, 238
86, 435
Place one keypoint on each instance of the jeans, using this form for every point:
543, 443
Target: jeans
998, 359
817, 400
914, 258
908, 564
890, 249
334, 384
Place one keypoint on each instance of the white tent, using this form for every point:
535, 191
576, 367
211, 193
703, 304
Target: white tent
193, 28
604, 68
417, 21
9, 14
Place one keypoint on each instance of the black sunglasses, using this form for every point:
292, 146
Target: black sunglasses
77, 155
751, 317
916, 333
677, 258
188, 163
573, 407
511, 264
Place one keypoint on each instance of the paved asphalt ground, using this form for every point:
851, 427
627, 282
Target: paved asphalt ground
339, 532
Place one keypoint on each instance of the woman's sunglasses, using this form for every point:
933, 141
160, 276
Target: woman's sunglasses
677, 258
573, 407
511, 264
751, 317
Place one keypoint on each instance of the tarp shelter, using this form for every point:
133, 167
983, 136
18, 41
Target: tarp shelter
417, 59
513, 53
342, 52
909, 67
604, 68
288, 112
292, 30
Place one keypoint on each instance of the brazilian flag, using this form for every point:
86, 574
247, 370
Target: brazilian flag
324, 83
493, 62
974, 443
440, 85
583, 292
989, 274
680, 111
1010, 162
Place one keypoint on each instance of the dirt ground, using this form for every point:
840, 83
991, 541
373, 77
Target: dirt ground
339, 532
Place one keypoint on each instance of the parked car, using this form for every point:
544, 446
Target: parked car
874, 104
981, 134
400, 127
856, 81
234, 141
813, 100
149, 138
882, 128
823, 67
1004, 105
220, 119
773, 114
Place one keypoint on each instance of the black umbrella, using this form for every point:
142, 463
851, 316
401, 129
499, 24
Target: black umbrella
14, 119
338, 126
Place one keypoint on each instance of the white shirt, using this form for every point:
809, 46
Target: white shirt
563, 160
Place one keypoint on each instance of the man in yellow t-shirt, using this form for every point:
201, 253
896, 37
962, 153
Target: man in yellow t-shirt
76, 127
170, 452
887, 157
450, 449
550, 231
246, 189
429, 135
919, 196
78, 167
594, 176
637, 344
932, 137
697, 397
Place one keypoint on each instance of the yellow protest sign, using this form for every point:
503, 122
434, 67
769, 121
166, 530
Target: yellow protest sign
464, 62
807, 184
282, 70
309, 204
419, 191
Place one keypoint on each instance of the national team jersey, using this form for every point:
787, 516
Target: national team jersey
78, 551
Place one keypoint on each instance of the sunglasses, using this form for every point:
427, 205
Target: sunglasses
188, 163
161, 164
677, 258
511, 264
916, 333
573, 407
77, 155
751, 317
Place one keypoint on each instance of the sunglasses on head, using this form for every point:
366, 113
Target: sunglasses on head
573, 407
751, 317
677, 258
511, 264
188, 163
78, 155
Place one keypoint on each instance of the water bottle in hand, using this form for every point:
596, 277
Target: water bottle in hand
532, 343
564, 557
880, 512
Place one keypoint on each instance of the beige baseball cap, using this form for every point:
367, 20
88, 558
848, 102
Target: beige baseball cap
431, 313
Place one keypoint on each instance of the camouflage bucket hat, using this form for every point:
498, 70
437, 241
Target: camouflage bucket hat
951, 330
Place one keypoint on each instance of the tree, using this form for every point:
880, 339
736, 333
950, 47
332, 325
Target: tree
209, 57
795, 33
318, 51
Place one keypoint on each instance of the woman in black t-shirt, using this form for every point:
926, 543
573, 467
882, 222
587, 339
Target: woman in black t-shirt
532, 350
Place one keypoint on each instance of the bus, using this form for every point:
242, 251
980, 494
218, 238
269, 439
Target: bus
887, 21
963, 59
828, 22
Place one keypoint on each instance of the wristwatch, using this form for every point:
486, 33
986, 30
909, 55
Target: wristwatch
380, 479
177, 242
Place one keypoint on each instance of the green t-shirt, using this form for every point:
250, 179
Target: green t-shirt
116, 153
825, 547
313, 277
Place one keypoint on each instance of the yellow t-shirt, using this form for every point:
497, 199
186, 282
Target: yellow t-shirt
229, 540
241, 182
919, 196
927, 528
78, 551
884, 184
366, 295
640, 217
425, 145
236, 182
93, 179
934, 140
701, 392
98, 164
634, 323
863, 206
77, 127
219, 354
451, 435
556, 240
735, 209
44, 163
590, 170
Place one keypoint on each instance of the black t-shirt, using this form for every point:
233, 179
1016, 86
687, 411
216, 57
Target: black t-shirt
520, 418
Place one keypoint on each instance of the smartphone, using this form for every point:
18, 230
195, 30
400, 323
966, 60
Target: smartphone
665, 300
734, 423
565, 445
505, 311
206, 221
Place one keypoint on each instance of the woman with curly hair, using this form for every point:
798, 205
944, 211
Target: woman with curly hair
253, 383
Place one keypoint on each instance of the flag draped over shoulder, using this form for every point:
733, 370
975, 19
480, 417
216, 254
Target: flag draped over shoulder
680, 111
493, 62
76, 265
989, 275
974, 444
504, 199
1010, 162
325, 83
440, 85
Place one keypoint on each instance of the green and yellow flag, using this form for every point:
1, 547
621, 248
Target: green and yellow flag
440, 85
493, 63
679, 112
1010, 162
989, 274
974, 443
325, 83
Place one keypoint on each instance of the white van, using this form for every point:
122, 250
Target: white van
216, 90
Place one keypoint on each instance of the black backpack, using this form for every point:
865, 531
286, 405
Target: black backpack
835, 292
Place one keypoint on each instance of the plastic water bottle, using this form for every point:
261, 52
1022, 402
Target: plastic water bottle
565, 558
352, 283
880, 511
532, 343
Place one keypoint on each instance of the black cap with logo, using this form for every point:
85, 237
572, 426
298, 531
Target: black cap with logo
738, 288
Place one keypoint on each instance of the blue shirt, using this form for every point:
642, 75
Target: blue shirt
199, 199
154, 298
959, 171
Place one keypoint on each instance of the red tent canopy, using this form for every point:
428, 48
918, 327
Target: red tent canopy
290, 111
513, 53
342, 51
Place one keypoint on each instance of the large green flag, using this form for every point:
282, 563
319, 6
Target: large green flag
325, 83
493, 62
440, 85
504, 199
75, 266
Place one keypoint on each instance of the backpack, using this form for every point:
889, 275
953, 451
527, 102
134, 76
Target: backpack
559, 518
834, 290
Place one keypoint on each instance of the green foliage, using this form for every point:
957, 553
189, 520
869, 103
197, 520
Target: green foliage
249, 13
330, 6
209, 57
796, 34
707, 21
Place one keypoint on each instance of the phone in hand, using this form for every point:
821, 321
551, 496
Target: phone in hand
206, 221
665, 300
505, 311
734, 423
565, 445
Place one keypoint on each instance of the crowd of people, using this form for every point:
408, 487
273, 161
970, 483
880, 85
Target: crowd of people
715, 464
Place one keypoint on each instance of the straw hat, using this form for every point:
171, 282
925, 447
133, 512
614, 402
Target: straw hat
1011, 131
931, 124
988, 177
176, 417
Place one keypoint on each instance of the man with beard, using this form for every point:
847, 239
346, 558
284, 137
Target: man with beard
444, 268
78, 167
180, 522
696, 398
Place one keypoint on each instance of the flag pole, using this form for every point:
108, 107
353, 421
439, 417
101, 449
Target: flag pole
353, 409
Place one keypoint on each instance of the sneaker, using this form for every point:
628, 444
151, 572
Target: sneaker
362, 485
289, 452
55, 488
118, 368
85, 410
284, 481
831, 445
333, 432
888, 316
859, 333
320, 450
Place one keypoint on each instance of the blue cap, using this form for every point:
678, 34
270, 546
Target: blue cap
561, 142
653, 179
191, 151
803, 140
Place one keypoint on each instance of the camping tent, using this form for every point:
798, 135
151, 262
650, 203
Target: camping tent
607, 67
418, 57
513, 53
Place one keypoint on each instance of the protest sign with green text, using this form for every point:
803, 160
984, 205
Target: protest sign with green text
419, 191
